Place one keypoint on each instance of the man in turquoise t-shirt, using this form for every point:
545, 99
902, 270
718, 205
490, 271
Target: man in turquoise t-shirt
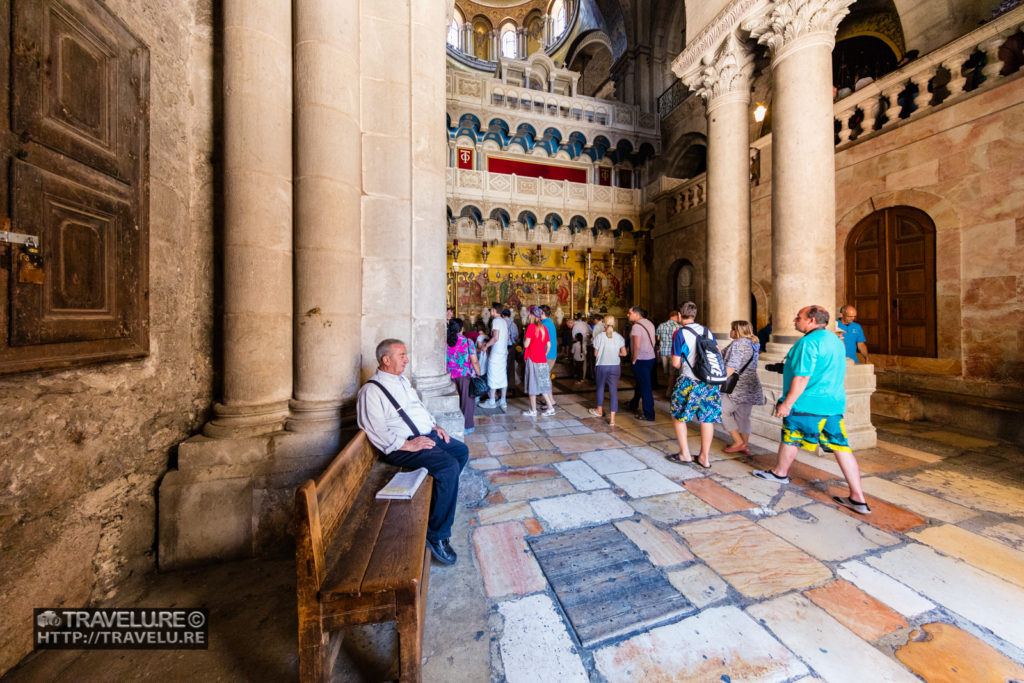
851, 333
813, 378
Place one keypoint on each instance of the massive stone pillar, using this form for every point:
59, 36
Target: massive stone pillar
800, 35
327, 225
722, 80
257, 219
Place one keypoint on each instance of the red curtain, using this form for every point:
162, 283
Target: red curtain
604, 175
532, 170
465, 157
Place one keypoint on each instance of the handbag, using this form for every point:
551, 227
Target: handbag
732, 380
478, 386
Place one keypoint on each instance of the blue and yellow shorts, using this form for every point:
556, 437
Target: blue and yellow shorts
810, 431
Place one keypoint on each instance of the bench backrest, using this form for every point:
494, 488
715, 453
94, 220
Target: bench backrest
321, 505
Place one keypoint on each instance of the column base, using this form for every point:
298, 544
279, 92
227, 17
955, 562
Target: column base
241, 421
234, 498
439, 396
860, 385
315, 416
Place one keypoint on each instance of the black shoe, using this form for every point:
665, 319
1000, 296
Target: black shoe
442, 551
642, 418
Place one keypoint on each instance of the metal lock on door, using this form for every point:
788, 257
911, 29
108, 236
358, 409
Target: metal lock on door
30, 261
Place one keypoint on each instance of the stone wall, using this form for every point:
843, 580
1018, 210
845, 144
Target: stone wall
83, 450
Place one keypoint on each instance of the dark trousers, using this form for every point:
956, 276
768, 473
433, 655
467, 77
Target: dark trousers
608, 374
466, 403
444, 462
642, 370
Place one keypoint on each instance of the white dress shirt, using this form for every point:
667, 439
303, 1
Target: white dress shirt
380, 420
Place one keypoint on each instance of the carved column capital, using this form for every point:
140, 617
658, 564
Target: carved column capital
723, 74
788, 25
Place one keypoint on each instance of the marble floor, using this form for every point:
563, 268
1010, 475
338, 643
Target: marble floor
780, 583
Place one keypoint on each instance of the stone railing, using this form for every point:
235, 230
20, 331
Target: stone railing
685, 195
593, 116
976, 61
541, 195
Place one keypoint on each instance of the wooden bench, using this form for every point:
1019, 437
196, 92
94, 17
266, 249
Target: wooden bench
359, 560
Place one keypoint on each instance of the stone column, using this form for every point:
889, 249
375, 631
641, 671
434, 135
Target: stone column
327, 198
722, 80
257, 219
467, 38
800, 35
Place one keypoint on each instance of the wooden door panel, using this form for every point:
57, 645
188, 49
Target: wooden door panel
87, 248
76, 83
866, 281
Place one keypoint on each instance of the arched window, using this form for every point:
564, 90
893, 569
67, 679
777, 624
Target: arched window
508, 42
559, 18
685, 284
453, 34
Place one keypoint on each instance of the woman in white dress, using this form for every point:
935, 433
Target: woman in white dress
497, 360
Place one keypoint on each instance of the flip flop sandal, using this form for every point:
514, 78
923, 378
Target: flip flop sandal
700, 464
674, 457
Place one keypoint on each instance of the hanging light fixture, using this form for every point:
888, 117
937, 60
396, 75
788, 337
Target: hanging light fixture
759, 112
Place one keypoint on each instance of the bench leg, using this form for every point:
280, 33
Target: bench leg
314, 653
411, 610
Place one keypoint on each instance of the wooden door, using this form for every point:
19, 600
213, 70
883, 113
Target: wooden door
890, 279
75, 176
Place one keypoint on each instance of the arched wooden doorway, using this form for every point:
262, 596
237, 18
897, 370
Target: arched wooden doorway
890, 279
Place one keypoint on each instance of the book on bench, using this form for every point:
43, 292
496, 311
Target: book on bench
403, 485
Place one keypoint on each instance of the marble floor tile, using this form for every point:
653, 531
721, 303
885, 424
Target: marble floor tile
798, 471
662, 549
721, 644
581, 509
699, 585
884, 516
943, 653
753, 489
828, 464
582, 443
856, 610
575, 409
615, 460
558, 431
537, 489
521, 445
491, 428
581, 475
717, 496
478, 450
543, 443
923, 456
506, 563
643, 483
983, 553
533, 458
884, 588
655, 459
875, 460
625, 438
533, 527
732, 469
915, 501
1008, 533
726, 544
673, 507
790, 500
648, 434
535, 643
972, 593
581, 430
521, 474
833, 652
826, 533
501, 447
967, 490
484, 463
954, 439
504, 512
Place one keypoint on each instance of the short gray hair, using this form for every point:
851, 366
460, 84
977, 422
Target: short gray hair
689, 310
384, 348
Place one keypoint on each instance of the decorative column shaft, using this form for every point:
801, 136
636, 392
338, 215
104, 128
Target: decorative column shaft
800, 35
257, 219
327, 197
722, 80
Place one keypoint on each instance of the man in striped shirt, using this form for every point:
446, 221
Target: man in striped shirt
665, 332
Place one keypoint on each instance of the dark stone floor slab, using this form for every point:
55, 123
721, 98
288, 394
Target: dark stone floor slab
606, 585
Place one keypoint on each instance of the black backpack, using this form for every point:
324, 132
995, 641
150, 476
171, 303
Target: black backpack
708, 364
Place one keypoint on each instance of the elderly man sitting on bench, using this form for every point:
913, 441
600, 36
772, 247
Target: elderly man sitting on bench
401, 427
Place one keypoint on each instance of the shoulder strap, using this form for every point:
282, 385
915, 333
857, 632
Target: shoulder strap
401, 411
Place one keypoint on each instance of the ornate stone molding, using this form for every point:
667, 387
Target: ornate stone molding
712, 35
782, 23
725, 71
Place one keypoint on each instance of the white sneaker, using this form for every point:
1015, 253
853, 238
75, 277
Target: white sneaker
549, 412
530, 413
488, 404
502, 404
